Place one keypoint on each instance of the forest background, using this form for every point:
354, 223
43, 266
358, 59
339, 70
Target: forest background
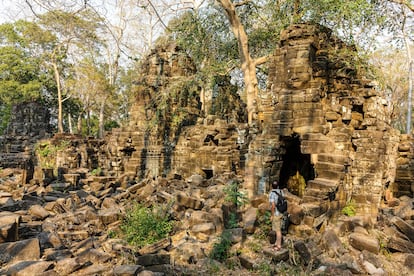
80, 57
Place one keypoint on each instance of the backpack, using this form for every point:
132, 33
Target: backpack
281, 203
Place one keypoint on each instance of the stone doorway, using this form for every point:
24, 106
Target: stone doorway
295, 164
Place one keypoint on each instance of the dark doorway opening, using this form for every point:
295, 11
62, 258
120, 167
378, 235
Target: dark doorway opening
209, 173
294, 161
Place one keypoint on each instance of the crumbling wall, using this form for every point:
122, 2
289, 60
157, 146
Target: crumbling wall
29, 123
317, 95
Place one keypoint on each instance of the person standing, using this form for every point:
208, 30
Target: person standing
276, 216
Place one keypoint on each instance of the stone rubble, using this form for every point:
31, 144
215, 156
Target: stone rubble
67, 232
320, 124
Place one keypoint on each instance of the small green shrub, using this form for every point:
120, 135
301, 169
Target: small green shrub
46, 152
234, 195
233, 221
349, 209
96, 172
220, 251
142, 226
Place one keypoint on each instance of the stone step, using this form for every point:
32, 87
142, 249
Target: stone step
322, 184
328, 166
312, 209
333, 175
333, 158
312, 199
317, 193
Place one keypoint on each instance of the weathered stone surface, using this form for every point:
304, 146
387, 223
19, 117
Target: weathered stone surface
109, 215
404, 227
364, 242
38, 212
277, 256
207, 228
67, 266
153, 259
401, 245
26, 250
296, 213
189, 202
127, 270
332, 243
28, 268
249, 220
409, 261
155, 247
9, 223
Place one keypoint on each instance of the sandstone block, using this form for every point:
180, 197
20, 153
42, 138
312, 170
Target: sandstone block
108, 216
38, 212
364, 242
127, 270
404, 227
155, 247
94, 256
29, 268
249, 220
400, 245
189, 202
277, 256
296, 213
409, 261
205, 228
9, 224
332, 243
153, 259
25, 250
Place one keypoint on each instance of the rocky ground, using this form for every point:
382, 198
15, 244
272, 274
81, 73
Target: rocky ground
71, 227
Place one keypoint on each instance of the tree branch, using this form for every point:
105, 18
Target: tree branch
261, 60
403, 2
242, 3
158, 15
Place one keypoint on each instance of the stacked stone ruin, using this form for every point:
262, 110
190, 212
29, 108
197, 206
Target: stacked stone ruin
319, 118
29, 123
345, 146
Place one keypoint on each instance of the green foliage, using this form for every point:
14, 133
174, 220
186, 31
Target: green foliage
96, 172
234, 195
233, 221
46, 152
264, 226
112, 234
221, 248
264, 268
142, 225
349, 209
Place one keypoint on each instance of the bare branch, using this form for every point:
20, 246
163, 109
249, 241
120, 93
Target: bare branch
403, 2
31, 8
158, 15
242, 3
261, 60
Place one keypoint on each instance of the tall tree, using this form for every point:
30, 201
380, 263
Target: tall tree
77, 36
23, 76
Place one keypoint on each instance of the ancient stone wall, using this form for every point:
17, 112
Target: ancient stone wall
327, 121
323, 131
29, 123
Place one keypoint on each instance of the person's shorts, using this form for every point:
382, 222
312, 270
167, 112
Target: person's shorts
276, 223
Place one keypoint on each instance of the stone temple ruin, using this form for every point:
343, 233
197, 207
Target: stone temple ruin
322, 130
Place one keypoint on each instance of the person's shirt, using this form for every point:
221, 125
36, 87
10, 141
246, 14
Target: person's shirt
273, 197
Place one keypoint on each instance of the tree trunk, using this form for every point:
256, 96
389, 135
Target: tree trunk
101, 119
410, 76
70, 123
59, 90
248, 65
